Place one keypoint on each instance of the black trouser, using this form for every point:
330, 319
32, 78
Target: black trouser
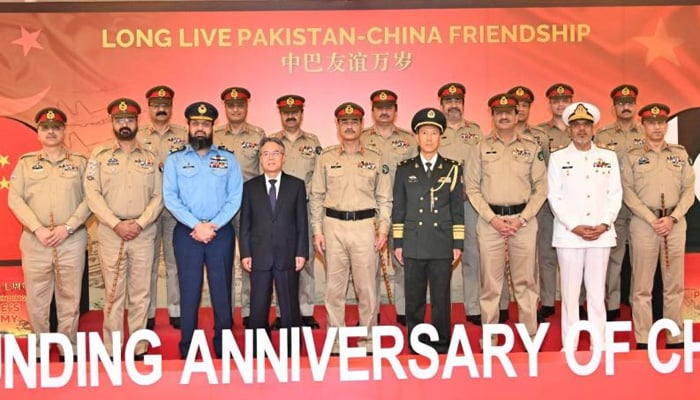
418, 275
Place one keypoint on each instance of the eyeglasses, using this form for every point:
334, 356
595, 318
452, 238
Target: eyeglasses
275, 153
125, 120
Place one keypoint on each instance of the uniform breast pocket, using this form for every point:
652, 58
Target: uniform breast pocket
69, 173
675, 171
367, 174
490, 161
37, 174
334, 174
522, 164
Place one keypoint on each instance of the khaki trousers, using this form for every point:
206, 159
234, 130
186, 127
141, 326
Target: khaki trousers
42, 278
165, 225
648, 249
521, 252
126, 270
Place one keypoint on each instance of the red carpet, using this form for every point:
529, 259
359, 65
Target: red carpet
92, 322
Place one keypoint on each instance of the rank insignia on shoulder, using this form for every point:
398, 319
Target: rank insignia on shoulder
385, 169
319, 149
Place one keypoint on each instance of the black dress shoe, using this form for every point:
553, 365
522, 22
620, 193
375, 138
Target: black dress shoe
310, 321
546, 311
612, 315
276, 324
401, 319
474, 319
503, 316
246, 321
675, 345
151, 323
175, 322
139, 357
582, 314
642, 346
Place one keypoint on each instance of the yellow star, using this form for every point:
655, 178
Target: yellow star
4, 160
4, 183
660, 45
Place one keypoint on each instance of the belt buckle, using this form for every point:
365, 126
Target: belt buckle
349, 216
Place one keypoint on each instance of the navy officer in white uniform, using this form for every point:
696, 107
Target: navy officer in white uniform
585, 195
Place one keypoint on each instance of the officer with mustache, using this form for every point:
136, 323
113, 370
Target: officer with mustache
303, 148
161, 137
625, 133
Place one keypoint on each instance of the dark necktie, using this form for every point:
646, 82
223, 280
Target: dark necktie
428, 168
273, 194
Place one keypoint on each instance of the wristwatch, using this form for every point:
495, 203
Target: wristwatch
69, 229
674, 219
607, 227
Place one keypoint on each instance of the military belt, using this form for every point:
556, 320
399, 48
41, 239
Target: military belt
507, 210
350, 215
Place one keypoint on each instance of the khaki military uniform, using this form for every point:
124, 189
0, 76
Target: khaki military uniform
458, 144
245, 145
646, 175
48, 194
546, 254
174, 138
123, 186
399, 146
507, 175
613, 137
299, 161
359, 187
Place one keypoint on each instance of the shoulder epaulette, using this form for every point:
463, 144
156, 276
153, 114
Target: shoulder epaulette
449, 160
554, 150
407, 161
330, 148
472, 124
176, 149
676, 146
30, 154
377, 152
79, 155
606, 128
222, 147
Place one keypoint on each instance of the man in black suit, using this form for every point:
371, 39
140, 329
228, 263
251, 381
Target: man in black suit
274, 238
428, 225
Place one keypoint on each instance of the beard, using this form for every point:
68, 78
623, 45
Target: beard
200, 142
125, 133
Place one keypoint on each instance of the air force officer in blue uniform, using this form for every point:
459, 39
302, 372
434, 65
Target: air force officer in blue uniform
202, 188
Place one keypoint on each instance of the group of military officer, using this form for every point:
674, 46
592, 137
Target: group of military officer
502, 222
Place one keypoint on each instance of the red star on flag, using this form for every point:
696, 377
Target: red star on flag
28, 40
